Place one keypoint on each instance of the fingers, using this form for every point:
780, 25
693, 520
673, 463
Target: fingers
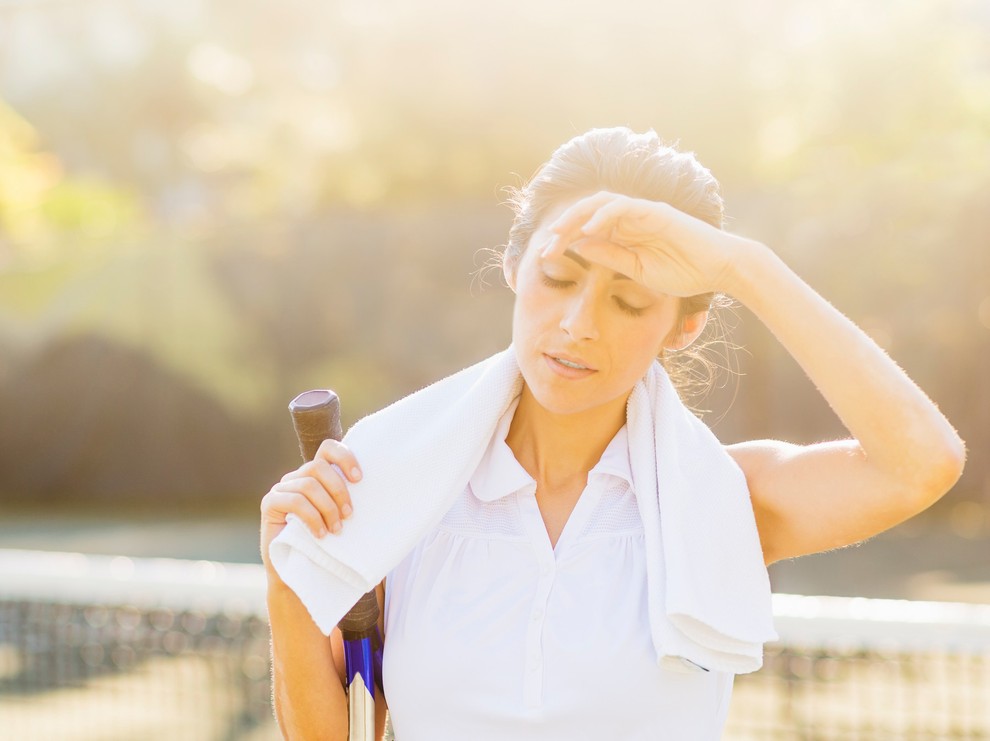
278, 503
317, 491
613, 256
306, 498
337, 453
578, 213
608, 217
567, 228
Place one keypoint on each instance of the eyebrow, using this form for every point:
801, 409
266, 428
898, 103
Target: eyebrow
585, 264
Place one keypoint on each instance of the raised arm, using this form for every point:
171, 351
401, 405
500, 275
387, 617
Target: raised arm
903, 454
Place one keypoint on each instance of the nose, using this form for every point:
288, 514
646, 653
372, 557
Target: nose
580, 319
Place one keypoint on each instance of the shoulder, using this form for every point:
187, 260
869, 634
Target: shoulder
759, 457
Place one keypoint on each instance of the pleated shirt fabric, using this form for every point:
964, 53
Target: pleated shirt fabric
492, 634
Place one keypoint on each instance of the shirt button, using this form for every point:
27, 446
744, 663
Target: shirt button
537, 614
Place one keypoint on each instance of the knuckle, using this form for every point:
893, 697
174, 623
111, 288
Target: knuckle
333, 480
311, 487
311, 469
328, 449
271, 499
336, 481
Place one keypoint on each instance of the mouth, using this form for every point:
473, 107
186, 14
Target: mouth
569, 362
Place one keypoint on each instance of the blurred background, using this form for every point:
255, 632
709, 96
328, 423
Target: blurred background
208, 207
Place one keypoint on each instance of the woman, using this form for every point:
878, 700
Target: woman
615, 256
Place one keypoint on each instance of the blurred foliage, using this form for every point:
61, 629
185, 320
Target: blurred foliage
207, 207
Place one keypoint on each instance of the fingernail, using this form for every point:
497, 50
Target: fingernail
355, 474
323, 532
337, 527
346, 510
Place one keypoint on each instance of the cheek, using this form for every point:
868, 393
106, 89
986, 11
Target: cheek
643, 335
534, 303
640, 350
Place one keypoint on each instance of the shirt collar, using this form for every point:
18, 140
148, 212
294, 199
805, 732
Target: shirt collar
615, 459
499, 473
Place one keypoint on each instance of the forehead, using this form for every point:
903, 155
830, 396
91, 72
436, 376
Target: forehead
557, 208
550, 216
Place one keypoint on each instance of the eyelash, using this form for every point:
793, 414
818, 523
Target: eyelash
623, 306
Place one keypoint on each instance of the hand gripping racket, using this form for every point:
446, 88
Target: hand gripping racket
316, 417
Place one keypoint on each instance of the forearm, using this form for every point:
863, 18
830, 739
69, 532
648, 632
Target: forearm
900, 430
309, 699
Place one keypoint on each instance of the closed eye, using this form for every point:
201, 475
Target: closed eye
631, 310
548, 281
622, 305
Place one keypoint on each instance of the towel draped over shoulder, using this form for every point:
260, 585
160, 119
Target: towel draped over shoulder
708, 597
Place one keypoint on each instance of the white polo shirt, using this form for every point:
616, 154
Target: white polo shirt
492, 635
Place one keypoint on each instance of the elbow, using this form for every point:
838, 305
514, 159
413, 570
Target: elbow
952, 462
943, 471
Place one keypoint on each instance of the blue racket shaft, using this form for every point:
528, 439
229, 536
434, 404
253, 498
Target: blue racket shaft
316, 417
358, 628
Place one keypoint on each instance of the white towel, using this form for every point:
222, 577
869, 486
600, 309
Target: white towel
709, 597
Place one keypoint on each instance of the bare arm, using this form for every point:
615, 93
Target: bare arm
307, 693
904, 454
308, 671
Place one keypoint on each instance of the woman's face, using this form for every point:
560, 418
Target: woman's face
584, 335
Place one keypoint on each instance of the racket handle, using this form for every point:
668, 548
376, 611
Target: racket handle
361, 620
316, 417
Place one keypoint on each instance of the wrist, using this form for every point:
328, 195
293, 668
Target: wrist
747, 277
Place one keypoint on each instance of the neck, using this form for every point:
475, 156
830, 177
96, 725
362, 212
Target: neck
554, 448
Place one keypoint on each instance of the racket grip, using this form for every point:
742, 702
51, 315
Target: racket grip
316, 417
362, 619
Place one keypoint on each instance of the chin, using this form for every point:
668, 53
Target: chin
559, 399
559, 407
561, 396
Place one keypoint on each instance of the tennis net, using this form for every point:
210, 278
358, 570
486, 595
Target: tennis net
105, 648
853, 669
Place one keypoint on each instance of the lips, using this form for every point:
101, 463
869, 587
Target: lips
568, 365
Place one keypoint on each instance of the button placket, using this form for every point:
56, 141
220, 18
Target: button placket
533, 683
546, 566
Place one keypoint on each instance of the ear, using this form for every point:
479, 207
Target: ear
509, 273
691, 328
